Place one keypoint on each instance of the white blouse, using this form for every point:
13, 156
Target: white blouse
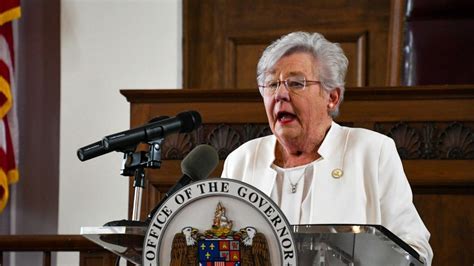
292, 191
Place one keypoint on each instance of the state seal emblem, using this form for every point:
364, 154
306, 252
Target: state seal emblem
219, 222
220, 245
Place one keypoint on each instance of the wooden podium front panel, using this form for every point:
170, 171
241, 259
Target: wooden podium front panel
433, 128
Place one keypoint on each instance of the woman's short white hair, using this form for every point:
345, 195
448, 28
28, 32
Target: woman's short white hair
332, 61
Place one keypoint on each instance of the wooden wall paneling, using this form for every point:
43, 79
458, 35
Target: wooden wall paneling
354, 44
395, 42
243, 53
224, 39
240, 61
433, 128
449, 218
196, 48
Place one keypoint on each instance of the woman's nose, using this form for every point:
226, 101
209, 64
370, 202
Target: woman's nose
282, 93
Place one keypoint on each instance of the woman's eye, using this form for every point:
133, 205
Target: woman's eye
273, 85
295, 84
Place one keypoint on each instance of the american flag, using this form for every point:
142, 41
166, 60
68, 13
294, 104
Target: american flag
9, 11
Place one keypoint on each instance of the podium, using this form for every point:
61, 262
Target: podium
315, 244
245, 228
124, 241
351, 245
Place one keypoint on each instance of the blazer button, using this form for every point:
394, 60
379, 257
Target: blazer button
337, 173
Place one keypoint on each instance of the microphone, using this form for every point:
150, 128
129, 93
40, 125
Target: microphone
197, 165
183, 122
98, 148
91, 151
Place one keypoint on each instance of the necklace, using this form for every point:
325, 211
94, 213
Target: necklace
295, 185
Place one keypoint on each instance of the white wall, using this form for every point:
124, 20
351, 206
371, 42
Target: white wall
107, 45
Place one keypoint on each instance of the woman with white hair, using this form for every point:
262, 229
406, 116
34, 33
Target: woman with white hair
317, 171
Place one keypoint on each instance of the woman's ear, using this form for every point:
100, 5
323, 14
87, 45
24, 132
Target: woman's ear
334, 97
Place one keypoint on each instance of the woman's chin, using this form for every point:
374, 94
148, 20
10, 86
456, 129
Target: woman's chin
287, 134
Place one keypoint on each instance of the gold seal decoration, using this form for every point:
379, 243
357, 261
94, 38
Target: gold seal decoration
337, 173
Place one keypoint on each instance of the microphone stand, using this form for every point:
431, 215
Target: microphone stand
134, 163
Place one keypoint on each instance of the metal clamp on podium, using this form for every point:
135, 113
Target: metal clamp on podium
134, 164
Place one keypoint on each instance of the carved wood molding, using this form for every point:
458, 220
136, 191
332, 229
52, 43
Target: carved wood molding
223, 137
414, 140
430, 140
435, 92
448, 136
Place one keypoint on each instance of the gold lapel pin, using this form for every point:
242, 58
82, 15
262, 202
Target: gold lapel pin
337, 173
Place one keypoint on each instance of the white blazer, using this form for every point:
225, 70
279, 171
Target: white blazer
372, 190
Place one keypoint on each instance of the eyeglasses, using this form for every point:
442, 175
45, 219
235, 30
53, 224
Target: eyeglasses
292, 84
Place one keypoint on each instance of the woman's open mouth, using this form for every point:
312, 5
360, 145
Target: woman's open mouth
285, 117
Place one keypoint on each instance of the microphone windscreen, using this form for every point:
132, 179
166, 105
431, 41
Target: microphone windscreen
190, 121
200, 162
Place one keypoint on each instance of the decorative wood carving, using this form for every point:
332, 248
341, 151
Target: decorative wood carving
177, 146
431, 140
407, 140
414, 140
225, 139
457, 142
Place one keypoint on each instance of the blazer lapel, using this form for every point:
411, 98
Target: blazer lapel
263, 175
324, 182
